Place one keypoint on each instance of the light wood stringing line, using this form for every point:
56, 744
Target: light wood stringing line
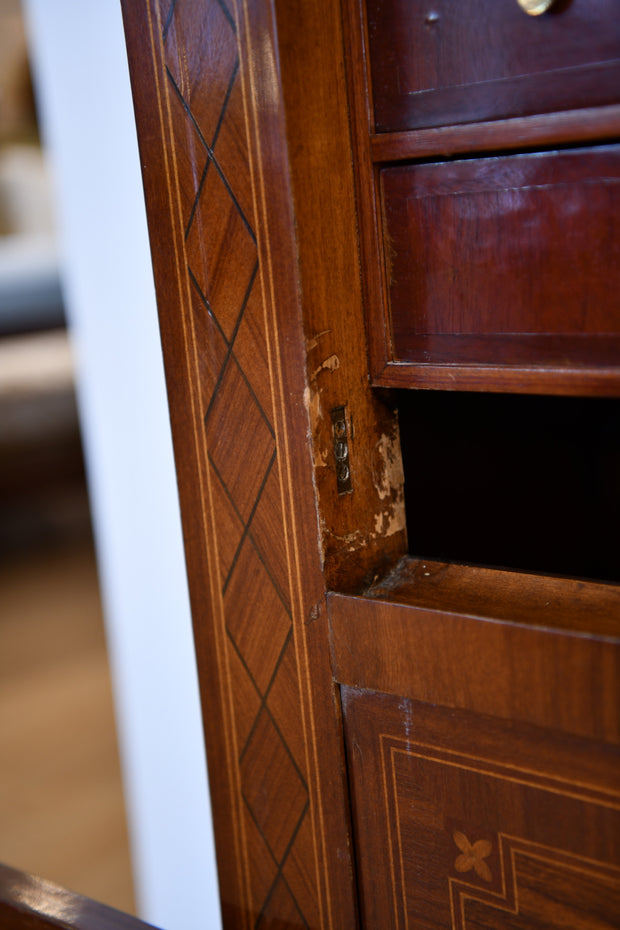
292, 546
208, 519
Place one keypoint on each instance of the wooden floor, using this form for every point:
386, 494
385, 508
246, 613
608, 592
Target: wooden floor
61, 804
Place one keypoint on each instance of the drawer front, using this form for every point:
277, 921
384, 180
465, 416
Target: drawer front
506, 260
442, 62
463, 821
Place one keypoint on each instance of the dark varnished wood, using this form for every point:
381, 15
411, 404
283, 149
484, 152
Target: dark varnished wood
521, 133
520, 363
519, 647
435, 64
491, 254
519, 597
29, 903
363, 532
584, 381
478, 823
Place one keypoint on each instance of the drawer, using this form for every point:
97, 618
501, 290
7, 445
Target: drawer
440, 62
511, 260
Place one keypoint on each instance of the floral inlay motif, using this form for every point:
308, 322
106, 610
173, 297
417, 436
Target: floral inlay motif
473, 856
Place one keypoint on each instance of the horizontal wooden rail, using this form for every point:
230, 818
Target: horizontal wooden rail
497, 643
550, 129
30, 903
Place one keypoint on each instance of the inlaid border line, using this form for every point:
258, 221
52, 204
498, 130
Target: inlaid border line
286, 485
208, 518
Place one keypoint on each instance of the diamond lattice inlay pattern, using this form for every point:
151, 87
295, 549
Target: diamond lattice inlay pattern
270, 772
203, 83
240, 440
222, 254
212, 164
249, 593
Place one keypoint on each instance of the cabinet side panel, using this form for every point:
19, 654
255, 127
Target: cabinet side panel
207, 99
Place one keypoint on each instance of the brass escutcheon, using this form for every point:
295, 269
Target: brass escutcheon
535, 7
341, 450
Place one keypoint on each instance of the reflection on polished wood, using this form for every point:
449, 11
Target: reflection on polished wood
31, 903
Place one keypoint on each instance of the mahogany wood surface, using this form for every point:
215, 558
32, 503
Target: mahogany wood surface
481, 720
519, 597
521, 133
459, 655
399, 42
212, 137
447, 63
29, 903
463, 821
584, 381
363, 532
492, 254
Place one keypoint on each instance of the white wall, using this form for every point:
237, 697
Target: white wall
84, 99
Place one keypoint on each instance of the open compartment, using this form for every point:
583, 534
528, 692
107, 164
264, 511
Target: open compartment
523, 482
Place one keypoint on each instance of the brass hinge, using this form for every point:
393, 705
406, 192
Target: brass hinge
341, 450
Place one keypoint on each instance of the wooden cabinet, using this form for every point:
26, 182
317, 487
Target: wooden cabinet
433, 64
480, 713
346, 201
485, 270
479, 824
355, 207
490, 249
486, 260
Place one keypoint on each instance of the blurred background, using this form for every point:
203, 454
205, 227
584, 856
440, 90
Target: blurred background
61, 799
83, 416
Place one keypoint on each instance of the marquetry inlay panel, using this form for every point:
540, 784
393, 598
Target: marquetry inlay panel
540, 886
198, 110
483, 823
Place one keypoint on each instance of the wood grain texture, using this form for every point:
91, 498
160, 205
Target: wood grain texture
445, 646
480, 824
363, 532
537, 600
585, 381
492, 253
379, 52
517, 133
476, 61
29, 903
210, 124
